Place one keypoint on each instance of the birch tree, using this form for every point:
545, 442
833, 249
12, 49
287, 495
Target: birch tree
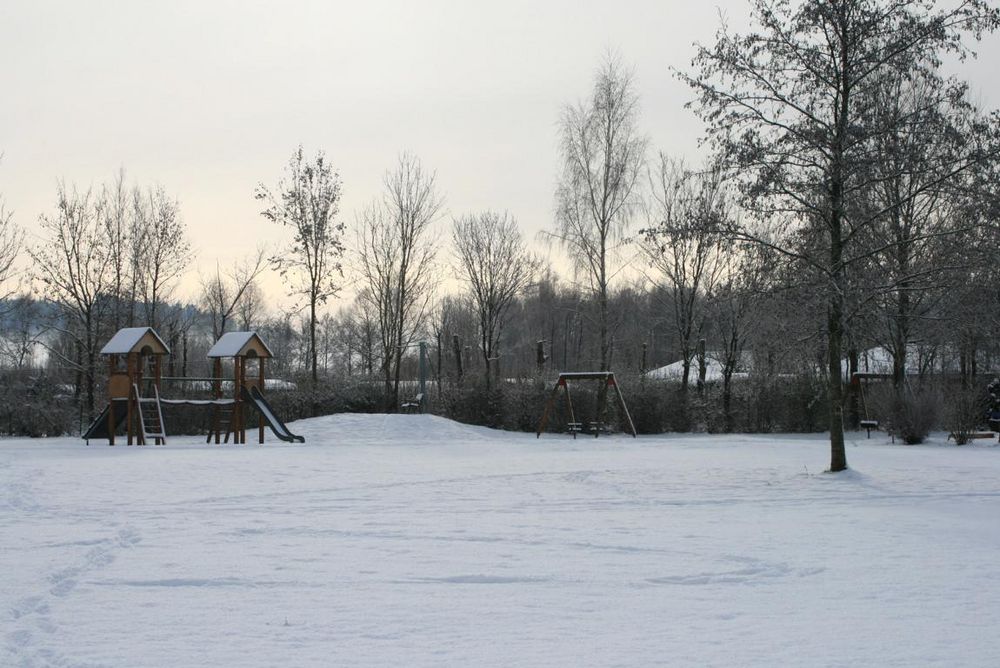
603, 154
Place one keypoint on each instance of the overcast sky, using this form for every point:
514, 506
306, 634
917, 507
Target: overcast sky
210, 98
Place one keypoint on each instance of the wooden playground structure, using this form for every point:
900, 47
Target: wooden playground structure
597, 425
134, 391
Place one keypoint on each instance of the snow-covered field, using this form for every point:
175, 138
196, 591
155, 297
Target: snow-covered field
414, 541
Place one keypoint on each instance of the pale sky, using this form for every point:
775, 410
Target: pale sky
210, 98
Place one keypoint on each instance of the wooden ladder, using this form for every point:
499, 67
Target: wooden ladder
150, 417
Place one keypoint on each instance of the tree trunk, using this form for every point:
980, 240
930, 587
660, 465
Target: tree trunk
440, 356
702, 366
835, 316
727, 397
685, 370
854, 410
456, 345
312, 337
835, 335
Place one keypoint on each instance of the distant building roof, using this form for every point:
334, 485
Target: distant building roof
133, 340
240, 344
713, 368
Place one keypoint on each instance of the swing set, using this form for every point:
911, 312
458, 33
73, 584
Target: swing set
573, 426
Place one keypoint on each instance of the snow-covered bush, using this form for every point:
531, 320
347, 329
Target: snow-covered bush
33, 404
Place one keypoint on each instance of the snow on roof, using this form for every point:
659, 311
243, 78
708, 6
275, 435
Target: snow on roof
880, 360
713, 368
232, 344
127, 339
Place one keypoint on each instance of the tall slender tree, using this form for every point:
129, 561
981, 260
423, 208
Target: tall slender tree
603, 154
396, 253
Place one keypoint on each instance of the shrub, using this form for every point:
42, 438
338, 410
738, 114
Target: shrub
963, 413
33, 404
911, 413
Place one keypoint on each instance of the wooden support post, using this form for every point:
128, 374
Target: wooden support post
624, 409
260, 386
242, 364
569, 406
217, 387
139, 365
602, 403
111, 401
129, 416
548, 407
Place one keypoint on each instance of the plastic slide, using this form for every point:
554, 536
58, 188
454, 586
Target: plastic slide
277, 426
99, 429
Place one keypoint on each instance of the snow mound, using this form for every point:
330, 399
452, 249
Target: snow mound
393, 429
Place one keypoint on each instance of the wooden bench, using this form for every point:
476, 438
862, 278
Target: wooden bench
868, 425
414, 404
973, 435
599, 428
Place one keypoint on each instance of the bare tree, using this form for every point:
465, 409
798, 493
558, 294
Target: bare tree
165, 249
118, 215
308, 200
363, 332
396, 255
250, 307
603, 154
11, 241
684, 246
223, 293
789, 107
735, 299
917, 203
20, 339
71, 263
493, 259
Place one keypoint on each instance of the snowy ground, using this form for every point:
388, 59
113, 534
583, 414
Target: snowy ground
414, 541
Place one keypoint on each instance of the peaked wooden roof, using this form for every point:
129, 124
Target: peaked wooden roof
133, 340
240, 344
